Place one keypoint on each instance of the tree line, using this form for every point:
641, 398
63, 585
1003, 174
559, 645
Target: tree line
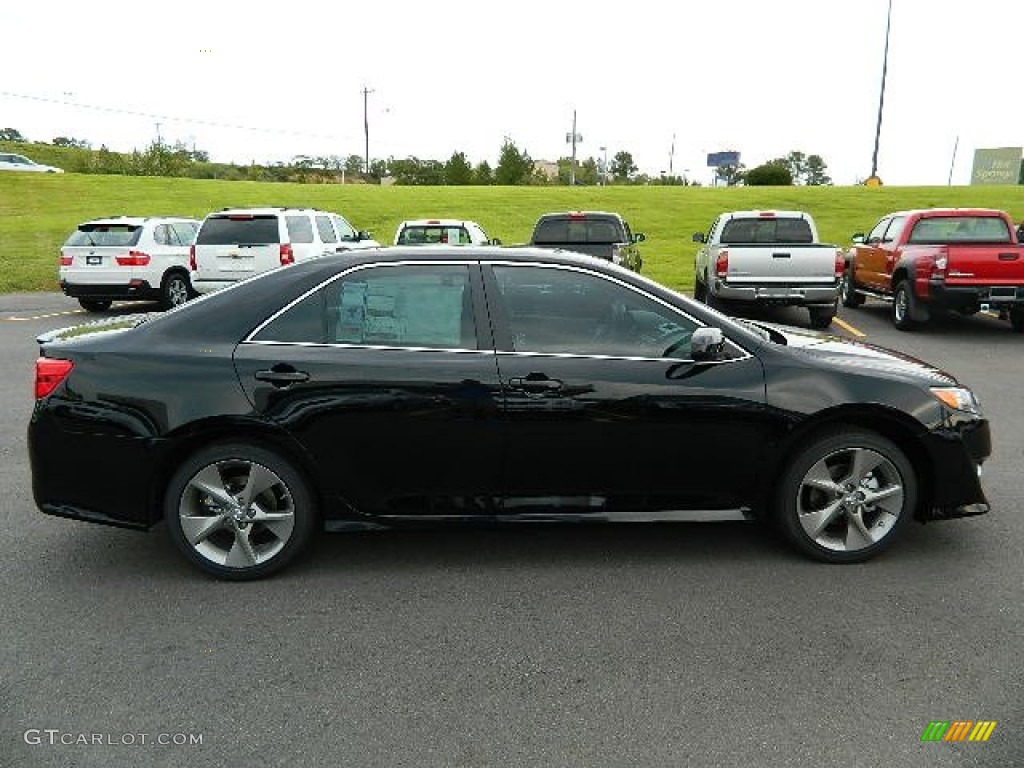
515, 167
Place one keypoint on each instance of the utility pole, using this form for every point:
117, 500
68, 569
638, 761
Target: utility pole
873, 180
159, 141
956, 144
574, 139
671, 156
366, 127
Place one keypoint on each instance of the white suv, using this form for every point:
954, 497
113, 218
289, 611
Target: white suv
442, 232
236, 243
128, 257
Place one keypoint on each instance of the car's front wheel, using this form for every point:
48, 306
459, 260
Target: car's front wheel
846, 496
239, 511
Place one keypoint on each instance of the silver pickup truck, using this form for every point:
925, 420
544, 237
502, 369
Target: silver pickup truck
768, 257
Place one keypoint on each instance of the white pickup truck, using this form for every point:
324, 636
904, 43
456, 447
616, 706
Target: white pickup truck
768, 257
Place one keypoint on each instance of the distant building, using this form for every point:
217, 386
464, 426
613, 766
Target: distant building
997, 166
548, 168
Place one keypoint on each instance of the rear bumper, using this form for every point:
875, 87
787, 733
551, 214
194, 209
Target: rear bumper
775, 294
135, 290
974, 296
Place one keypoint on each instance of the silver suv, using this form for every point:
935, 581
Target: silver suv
128, 257
236, 243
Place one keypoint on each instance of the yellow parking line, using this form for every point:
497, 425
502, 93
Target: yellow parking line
848, 328
43, 317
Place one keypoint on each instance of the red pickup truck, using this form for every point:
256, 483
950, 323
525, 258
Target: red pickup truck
962, 259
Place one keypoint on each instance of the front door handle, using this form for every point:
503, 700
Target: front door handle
282, 376
535, 382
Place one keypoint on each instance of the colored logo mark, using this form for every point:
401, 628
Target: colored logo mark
958, 730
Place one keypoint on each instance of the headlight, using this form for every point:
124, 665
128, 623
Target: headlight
958, 398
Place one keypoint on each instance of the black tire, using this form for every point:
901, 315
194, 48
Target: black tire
175, 290
700, 290
1017, 319
821, 317
906, 307
225, 537
803, 503
847, 295
95, 305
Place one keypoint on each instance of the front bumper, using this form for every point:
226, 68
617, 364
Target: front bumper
789, 295
957, 453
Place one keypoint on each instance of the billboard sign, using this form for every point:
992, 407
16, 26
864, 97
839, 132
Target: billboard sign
996, 166
718, 159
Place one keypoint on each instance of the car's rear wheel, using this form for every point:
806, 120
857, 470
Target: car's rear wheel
239, 511
1017, 319
846, 497
847, 294
175, 290
907, 311
821, 317
95, 305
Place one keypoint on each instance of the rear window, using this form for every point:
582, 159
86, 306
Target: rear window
790, 230
960, 229
578, 230
239, 230
434, 235
105, 234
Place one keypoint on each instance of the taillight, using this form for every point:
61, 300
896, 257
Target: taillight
722, 264
287, 256
50, 373
133, 259
192, 265
840, 263
65, 261
941, 262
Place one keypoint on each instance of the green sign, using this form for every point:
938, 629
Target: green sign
996, 166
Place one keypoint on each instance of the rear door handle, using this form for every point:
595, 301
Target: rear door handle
535, 383
282, 377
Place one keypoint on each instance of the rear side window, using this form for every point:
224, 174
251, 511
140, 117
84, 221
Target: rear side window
766, 230
105, 234
401, 306
239, 230
300, 229
323, 226
578, 230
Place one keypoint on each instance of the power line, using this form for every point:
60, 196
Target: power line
173, 118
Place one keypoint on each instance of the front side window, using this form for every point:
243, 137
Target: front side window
560, 311
345, 230
186, 231
396, 306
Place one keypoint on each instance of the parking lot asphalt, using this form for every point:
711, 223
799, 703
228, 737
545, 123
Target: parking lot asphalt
702, 644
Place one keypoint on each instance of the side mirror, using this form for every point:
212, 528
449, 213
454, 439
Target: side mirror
362, 234
858, 238
639, 237
707, 344
698, 237
494, 241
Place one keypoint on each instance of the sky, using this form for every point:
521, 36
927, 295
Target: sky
667, 81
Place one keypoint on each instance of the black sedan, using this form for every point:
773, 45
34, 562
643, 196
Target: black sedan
407, 386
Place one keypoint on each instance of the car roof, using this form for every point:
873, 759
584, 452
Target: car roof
584, 214
768, 213
265, 210
949, 212
437, 223
136, 220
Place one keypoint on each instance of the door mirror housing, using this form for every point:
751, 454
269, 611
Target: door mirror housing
707, 344
858, 238
639, 237
698, 237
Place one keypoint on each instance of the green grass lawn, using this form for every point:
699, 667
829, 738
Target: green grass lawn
38, 211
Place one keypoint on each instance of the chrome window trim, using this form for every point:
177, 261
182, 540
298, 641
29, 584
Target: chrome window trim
380, 347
